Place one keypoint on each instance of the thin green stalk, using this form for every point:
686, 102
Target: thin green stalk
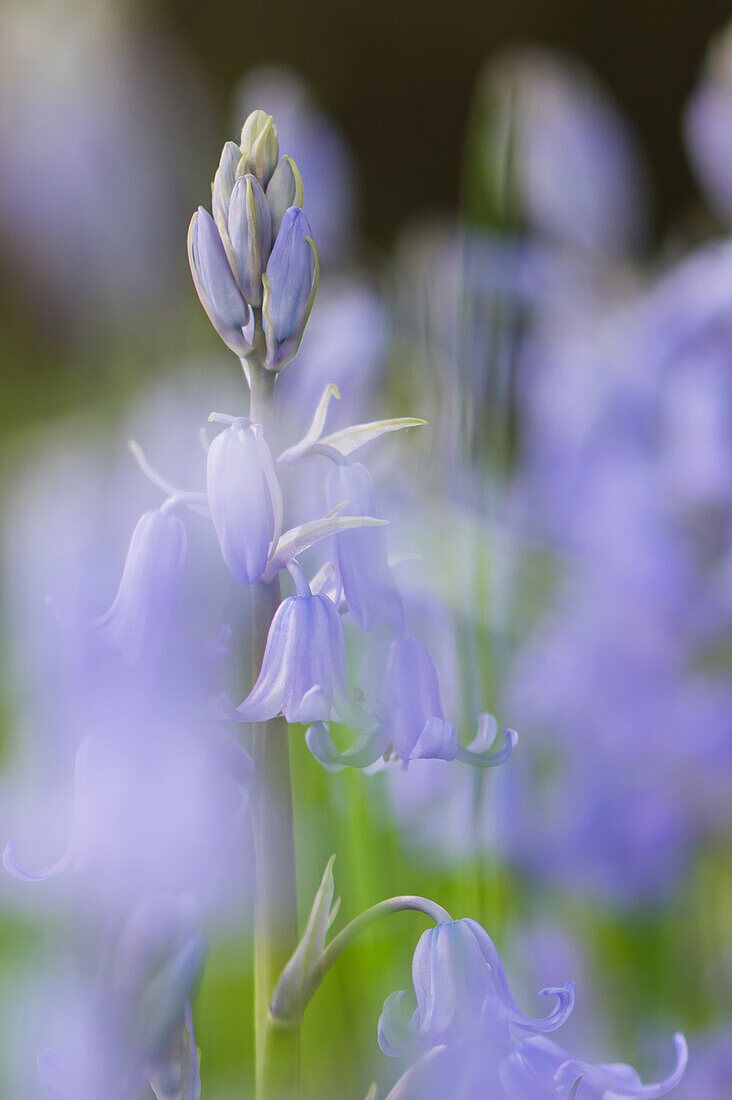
275, 916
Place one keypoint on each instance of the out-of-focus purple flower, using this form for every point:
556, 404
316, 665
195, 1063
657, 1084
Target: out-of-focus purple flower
244, 497
708, 126
134, 1025
290, 283
186, 781
400, 683
134, 112
361, 556
459, 979
303, 676
320, 151
143, 613
575, 170
229, 313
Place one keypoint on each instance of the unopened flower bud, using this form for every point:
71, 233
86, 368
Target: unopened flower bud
220, 296
223, 185
290, 283
250, 236
260, 147
244, 497
283, 191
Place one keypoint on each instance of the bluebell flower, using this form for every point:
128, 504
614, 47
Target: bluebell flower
303, 676
245, 498
361, 556
250, 236
457, 972
217, 288
402, 691
575, 171
142, 615
290, 283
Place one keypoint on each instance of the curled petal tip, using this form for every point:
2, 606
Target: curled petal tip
222, 709
14, 868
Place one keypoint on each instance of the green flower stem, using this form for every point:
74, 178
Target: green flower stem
359, 924
275, 907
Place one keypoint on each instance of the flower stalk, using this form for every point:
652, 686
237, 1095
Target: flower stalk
275, 918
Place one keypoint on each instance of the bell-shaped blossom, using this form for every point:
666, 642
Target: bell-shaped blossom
361, 556
290, 283
245, 498
459, 981
303, 676
402, 691
228, 311
250, 236
143, 613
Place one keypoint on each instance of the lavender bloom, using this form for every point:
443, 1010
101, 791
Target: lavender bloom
474, 1038
457, 972
303, 675
402, 691
250, 236
244, 497
220, 296
135, 1025
708, 126
361, 555
576, 173
142, 615
290, 283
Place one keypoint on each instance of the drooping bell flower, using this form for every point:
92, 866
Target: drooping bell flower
459, 982
290, 283
402, 691
142, 616
361, 555
303, 675
245, 498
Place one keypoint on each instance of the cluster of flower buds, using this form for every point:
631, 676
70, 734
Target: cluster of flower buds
254, 262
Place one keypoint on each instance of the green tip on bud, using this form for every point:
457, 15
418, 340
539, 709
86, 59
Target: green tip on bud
284, 190
260, 147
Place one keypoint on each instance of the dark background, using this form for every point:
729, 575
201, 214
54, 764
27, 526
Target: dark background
398, 75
